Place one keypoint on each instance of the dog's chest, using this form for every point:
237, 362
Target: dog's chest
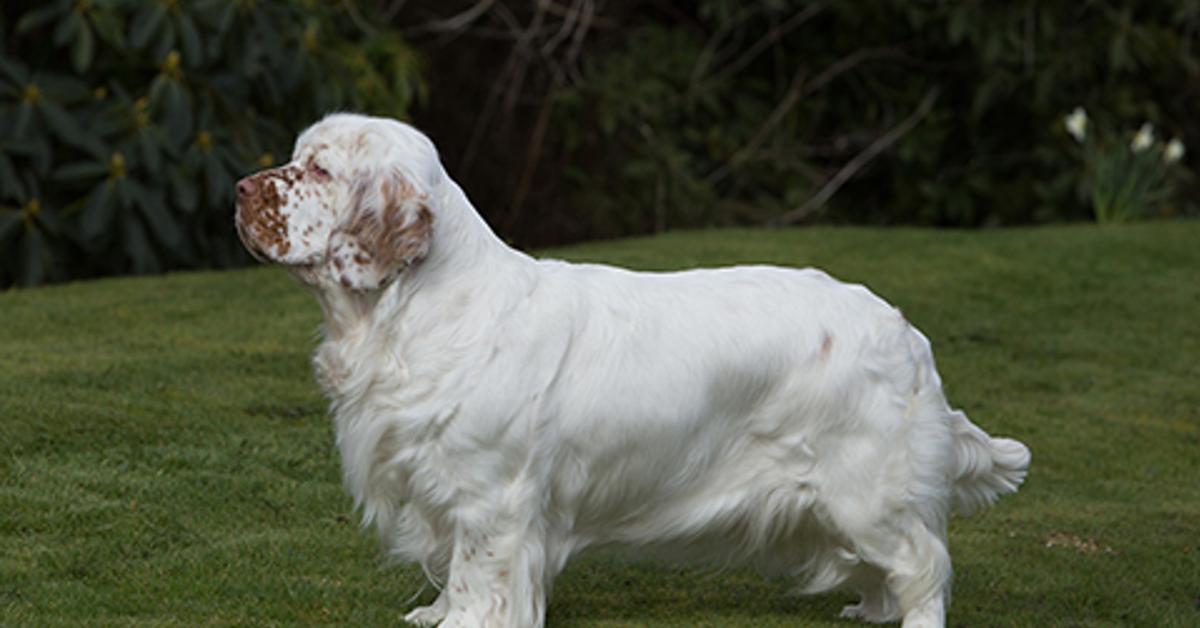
349, 369
331, 370
386, 422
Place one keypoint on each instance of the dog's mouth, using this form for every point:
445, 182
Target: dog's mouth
249, 241
306, 268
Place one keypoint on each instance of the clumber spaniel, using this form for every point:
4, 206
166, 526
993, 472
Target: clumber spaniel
497, 414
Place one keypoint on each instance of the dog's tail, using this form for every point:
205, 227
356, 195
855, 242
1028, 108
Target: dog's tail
986, 467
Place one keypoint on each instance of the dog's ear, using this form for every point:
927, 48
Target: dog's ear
388, 229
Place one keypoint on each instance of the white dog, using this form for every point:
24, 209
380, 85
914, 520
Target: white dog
497, 414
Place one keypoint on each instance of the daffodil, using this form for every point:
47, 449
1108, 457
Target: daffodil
1076, 124
1124, 186
1143, 139
1174, 151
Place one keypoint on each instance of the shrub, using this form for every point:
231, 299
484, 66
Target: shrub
713, 125
671, 114
123, 124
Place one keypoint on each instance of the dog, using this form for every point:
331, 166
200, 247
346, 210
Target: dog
497, 414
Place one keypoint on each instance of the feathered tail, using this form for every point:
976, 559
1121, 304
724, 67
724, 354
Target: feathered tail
986, 467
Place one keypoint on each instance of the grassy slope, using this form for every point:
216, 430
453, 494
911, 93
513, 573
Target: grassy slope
164, 458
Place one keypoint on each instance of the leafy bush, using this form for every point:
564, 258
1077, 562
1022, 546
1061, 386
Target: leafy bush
713, 124
123, 124
682, 114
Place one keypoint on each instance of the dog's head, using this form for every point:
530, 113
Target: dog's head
352, 210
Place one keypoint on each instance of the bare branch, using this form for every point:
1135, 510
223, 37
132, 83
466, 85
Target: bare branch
509, 83
533, 157
796, 91
459, 21
785, 105
393, 10
357, 17
860, 160
523, 53
564, 30
710, 48
776, 33
847, 63
586, 21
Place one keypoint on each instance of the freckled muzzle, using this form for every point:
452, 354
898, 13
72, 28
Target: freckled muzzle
261, 223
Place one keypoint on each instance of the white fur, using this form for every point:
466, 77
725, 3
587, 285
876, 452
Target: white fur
497, 414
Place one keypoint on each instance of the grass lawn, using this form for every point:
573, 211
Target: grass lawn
165, 458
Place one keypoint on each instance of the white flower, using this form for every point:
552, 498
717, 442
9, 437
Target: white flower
1077, 124
1144, 138
1174, 151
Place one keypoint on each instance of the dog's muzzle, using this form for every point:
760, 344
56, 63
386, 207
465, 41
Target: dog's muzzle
261, 225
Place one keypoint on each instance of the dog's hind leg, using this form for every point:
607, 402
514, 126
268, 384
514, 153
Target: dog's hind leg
897, 537
913, 571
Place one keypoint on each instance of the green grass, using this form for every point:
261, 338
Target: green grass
165, 458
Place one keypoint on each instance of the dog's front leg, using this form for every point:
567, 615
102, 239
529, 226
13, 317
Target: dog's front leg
496, 580
432, 614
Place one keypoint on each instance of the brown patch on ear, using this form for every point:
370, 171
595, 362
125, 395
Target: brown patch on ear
397, 190
396, 235
406, 240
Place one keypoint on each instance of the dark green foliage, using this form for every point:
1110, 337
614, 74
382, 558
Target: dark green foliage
123, 124
741, 112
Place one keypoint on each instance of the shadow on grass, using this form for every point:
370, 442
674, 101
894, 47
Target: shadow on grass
604, 590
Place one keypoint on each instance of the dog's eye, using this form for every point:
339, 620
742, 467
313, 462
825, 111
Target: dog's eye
317, 171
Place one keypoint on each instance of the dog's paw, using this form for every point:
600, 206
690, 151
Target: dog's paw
863, 612
427, 615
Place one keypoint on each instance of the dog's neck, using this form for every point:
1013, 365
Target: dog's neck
465, 258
